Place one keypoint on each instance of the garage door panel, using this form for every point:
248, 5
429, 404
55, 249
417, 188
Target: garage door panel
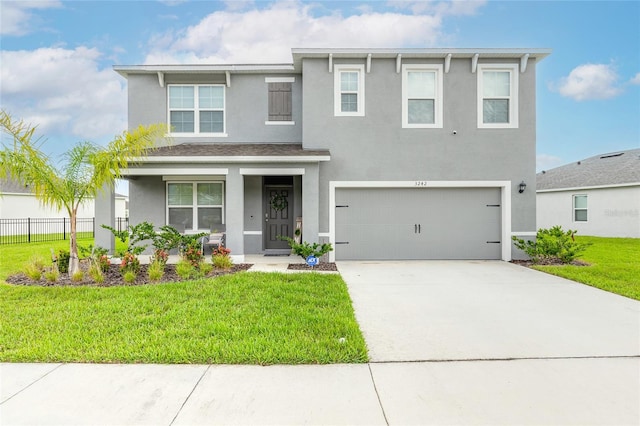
408, 223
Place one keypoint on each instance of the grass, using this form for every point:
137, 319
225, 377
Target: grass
615, 266
245, 318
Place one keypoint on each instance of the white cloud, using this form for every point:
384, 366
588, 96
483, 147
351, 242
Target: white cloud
456, 7
547, 162
635, 79
590, 81
63, 92
268, 34
16, 18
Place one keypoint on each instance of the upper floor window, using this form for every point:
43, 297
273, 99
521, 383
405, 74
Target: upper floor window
422, 96
579, 208
280, 100
197, 109
497, 95
348, 90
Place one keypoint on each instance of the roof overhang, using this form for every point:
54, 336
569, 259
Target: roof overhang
232, 159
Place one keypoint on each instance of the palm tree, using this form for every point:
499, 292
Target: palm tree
85, 169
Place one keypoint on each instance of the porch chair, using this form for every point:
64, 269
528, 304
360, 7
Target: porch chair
216, 239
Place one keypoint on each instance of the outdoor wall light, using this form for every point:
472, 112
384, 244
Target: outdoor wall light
522, 187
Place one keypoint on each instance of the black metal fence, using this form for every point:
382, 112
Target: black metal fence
35, 230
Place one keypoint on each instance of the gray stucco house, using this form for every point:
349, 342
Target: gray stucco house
386, 153
597, 196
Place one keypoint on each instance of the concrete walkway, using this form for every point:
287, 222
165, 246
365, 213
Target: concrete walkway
493, 343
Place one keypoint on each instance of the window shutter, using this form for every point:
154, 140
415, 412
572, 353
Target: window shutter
280, 102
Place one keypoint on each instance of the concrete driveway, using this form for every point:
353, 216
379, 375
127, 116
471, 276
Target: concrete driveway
485, 310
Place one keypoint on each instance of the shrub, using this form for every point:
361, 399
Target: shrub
130, 263
34, 268
129, 277
185, 269
221, 259
96, 273
205, 268
160, 255
192, 252
63, 260
77, 276
552, 245
156, 270
305, 249
52, 274
133, 236
103, 262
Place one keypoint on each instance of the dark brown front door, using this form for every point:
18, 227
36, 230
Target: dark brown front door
278, 216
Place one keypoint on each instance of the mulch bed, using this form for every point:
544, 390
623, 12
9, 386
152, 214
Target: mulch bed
114, 278
549, 262
322, 266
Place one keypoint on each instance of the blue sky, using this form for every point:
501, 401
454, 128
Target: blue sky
57, 56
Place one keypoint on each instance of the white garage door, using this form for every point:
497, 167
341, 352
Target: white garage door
417, 223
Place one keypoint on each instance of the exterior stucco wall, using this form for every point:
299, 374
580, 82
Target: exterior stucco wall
246, 107
147, 200
376, 147
611, 212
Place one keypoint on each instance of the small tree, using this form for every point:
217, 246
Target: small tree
85, 170
552, 245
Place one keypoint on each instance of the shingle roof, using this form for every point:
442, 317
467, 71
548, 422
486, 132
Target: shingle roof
615, 168
11, 186
235, 149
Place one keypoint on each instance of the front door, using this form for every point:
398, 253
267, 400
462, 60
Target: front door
278, 215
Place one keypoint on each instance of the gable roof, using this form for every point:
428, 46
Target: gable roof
12, 186
615, 168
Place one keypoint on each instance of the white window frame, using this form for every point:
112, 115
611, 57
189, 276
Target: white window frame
194, 206
513, 70
338, 69
575, 209
438, 101
196, 111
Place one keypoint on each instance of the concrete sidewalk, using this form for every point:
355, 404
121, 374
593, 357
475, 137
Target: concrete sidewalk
534, 391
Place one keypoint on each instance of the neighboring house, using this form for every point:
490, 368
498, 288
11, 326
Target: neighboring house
17, 201
385, 153
598, 196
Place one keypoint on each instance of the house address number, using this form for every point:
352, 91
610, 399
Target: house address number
421, 183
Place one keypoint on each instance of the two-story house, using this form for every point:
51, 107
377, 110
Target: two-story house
385, 153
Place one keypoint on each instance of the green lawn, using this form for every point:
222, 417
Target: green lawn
245, 318
615, 266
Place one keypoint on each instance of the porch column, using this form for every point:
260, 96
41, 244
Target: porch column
234, 217
310, 203
105, 214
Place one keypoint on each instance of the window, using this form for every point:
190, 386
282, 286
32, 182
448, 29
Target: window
348, 90
579, 208
195, 205
280, 100
422, 96
196, 109
497, 96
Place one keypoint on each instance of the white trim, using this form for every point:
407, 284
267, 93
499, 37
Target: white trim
524, 234
324, 234
252, 233
447, 63
512, 69
271, 172
197, 135
193, 178
235, 159
437, 102
227, 76
368, 63
280, 123
474, 63
584, 188
330, 62
337, 92
161, 78
523, 62
505, 202
574, 208
156, 171
398, 63
279, 79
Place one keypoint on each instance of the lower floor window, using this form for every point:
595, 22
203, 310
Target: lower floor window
579, 208
195, 205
